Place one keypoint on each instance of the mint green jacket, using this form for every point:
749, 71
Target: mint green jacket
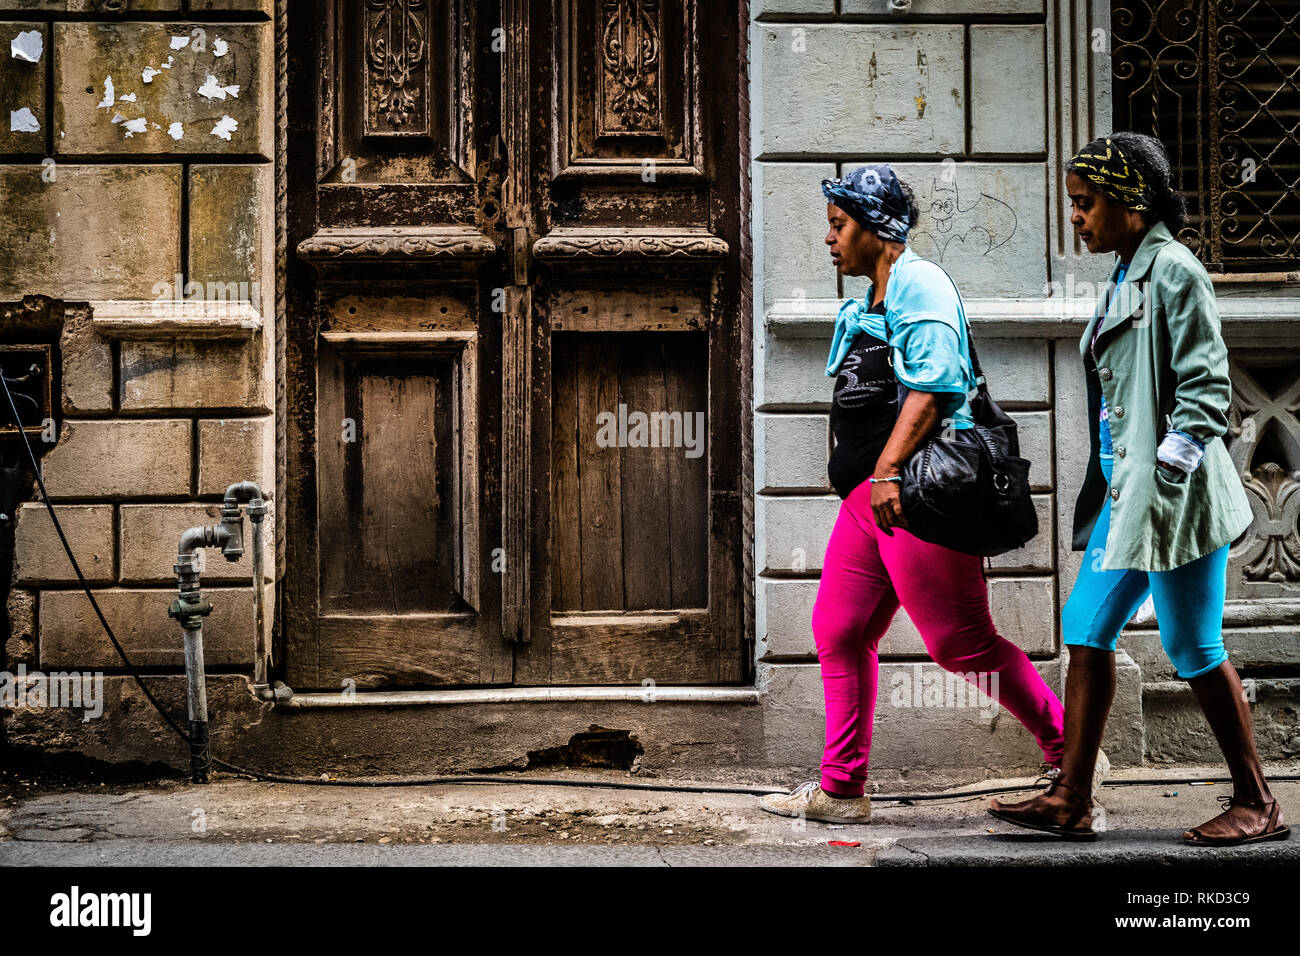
1162, 365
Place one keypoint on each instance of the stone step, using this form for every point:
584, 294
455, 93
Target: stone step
1176, 732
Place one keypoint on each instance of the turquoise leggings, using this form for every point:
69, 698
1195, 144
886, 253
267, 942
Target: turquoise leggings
1188, 599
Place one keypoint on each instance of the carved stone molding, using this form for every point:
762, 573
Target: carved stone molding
629, 243
1264, 442
396, 243
1273, 552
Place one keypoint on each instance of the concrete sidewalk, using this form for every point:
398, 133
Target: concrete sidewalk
237, 821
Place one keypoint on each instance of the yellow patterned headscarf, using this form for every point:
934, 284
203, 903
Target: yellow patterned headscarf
1104, 164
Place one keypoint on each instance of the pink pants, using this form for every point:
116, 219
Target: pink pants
866, 575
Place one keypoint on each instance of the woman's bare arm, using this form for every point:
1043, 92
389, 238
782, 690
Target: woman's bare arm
916, 420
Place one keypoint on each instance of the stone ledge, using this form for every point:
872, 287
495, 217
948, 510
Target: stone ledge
1254, 321
168, 319
1175, 730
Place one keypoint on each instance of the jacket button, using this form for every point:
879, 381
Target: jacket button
1105, 374
1114, 494
1120, 451
1119, 411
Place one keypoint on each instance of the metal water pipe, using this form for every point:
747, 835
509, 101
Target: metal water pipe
190, 608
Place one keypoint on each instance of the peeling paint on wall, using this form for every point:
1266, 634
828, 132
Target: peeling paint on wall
176, 131
27, 45
180, 43
107, 101
213, 89
219, 47
23, 121
224, 128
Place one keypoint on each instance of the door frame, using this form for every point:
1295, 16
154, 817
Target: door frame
297, 79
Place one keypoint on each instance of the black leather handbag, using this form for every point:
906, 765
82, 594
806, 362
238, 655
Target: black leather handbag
968, 488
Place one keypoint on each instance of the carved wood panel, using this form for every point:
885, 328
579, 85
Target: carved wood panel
401, 125
500, 170
630, 89
395, 72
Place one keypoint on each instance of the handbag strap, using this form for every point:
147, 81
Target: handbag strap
970, 334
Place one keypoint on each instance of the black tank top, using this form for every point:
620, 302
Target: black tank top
863, 410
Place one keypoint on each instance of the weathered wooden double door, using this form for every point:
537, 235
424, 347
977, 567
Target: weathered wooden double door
513, 363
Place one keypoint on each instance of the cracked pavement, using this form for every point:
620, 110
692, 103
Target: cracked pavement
234, 820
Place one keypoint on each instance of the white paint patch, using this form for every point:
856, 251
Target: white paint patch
176, 131
168, 64
118, 118
126, 98
28, 46
213, 89
107, 101
135, 126
227, 126
180, 43
148, 73
219, 47
22, 121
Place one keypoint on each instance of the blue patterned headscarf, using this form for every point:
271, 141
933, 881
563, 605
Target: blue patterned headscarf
872, 195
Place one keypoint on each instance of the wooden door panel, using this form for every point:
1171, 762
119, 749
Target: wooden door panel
630, 520
393, 364
413, 650
399, 509
635, 229
391, 515
665, 648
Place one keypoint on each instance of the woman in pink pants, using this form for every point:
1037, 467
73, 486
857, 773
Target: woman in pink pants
908, 329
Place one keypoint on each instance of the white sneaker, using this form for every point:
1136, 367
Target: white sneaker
811, 802
1100, 771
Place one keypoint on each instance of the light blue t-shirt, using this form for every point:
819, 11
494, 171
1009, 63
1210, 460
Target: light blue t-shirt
927, 332
1103, 425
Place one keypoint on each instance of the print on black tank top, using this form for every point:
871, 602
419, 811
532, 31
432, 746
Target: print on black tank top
863, 410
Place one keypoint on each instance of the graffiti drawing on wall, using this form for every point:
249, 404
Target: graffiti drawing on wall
957, 224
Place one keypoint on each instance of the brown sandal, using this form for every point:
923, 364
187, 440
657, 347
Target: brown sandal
1274, 829
1077, 826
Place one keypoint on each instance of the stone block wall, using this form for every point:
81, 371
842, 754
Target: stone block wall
137, 187
976, 104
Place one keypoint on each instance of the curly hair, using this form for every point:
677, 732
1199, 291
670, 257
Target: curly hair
913, 211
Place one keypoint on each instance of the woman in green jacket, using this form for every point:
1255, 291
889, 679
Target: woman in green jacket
1161, 501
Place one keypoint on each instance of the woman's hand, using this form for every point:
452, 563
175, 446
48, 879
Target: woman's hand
887, 505
916, 419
